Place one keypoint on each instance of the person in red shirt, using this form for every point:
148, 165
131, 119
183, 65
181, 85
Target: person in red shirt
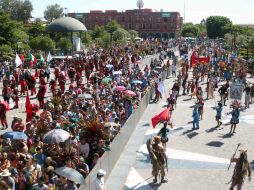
42, 91
62, 80
23, 85
19, 126
52, 86
15, 97
32, 83
3, 116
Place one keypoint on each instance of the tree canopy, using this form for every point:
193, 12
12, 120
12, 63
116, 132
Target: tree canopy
190, 30
217, 26
18, 9
53, 11
43, 43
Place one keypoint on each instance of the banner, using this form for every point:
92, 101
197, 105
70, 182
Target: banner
236, 91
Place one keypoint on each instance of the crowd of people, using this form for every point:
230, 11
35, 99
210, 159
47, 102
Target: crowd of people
90, 98
207, 60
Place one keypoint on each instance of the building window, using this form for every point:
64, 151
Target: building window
165, 26
151, 26
109, 18
130, 27
137, 26
96, 19
102, 18
150, 19
143, 19
165, 19
137, 18
123, 25
144, 26
89, 19
157, 26
123, 19
129, 18
158, 19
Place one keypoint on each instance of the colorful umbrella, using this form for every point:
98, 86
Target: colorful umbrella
120, 88
106, 80
56, 136
129, 93
136, 82
85, 96
71, 174
117, 72
15, 135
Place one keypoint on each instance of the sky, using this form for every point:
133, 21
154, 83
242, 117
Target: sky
239, 11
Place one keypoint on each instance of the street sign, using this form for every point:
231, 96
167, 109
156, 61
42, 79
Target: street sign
236, 91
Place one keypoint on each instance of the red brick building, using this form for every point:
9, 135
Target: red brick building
146, 22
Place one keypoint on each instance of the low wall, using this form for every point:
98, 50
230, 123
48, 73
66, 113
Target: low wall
109, 158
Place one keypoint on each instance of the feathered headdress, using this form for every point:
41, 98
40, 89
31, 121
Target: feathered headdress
236, 104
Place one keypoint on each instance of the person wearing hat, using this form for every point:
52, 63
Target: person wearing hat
241, 170
6, 177
158, 158
98, 182
218, 114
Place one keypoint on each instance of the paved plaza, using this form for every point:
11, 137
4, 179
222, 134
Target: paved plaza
197, 159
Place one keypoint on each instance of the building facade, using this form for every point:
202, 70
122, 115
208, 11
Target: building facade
147, 23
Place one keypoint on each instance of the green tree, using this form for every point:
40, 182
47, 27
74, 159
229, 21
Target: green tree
18, 9
6, 52
8, 30
133, 34
53, 11
190, 30
215, 26
111, 27
87, 38
36, 29
64, 44
120, 35
43, 43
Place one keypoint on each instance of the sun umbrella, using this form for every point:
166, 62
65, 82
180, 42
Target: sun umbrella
56, 136
71, 174
120, 88
85, 96
5, 104
15, 135
136, 82
129, 93
109, 66
106, 80
117, 72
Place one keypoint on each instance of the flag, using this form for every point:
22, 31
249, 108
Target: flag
41, 59
28, 105
18, 61
161, 88
32, 58
22, 57
163, 116
49, 57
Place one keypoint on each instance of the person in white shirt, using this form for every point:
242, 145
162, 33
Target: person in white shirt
98, 183
83, 148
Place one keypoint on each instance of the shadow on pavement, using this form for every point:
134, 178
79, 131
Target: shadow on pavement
215, 144
212, 129
225, 136
191, 135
